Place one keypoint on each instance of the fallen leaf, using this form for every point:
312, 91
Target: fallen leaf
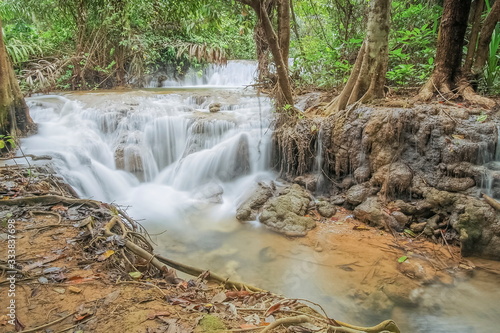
152, 315
59, 290
3, 320
74, 289
81, 317
135, 275
458, 136
402, 259
246, 326
359, 227
59, 207
105, 255
237, 294
111, 297
219, 298
272, 309
409, 232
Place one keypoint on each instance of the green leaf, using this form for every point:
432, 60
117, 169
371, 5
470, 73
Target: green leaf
409, 232
2, 144
402, 259
135, 275
482, 118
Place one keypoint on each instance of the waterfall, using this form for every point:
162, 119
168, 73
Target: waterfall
162, 154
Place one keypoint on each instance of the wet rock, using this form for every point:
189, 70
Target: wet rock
418, 227
248, 210
347, 182
211, 193
362, 173
403, 294
357, 194
400, 217
214, 107
455, 184
307, 181
370, 211
326, 209
285, 213
337, 200
399, 178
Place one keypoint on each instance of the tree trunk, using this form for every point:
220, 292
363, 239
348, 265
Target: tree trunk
485, 38
447, 75
14, 113
283, 94
476, 27
367, 78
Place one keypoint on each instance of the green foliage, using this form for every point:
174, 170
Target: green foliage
492, 69
412, 42
7, 141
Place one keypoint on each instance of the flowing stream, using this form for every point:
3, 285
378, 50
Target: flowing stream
180, 168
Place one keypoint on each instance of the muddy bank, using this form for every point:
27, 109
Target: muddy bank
421, 169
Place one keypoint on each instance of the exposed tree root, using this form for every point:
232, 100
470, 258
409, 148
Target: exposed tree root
286, 321
168, 274
385, 326
437, 86
46, 200
210, 276
492, 202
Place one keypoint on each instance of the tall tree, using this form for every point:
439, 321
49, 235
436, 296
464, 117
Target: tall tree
367, 78
14, 113
448, 75
278, 41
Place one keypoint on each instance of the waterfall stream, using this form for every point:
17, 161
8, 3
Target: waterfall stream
180, 168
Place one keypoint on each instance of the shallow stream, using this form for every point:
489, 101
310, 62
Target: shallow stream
184, 170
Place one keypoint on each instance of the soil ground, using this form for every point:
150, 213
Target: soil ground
62, 286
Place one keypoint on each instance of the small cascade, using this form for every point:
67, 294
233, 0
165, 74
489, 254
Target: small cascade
107, 151
490, 182
318, 161
236, 73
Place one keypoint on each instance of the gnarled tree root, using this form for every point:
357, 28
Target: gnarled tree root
45, 200
162, 263
169, 274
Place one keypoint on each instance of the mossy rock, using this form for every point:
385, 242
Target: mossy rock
210, 324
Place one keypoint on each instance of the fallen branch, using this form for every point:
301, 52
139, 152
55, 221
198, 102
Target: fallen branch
193, 271
385, 326
492, 202
46, 200
33, 157
47, 325
286, 321
169, 274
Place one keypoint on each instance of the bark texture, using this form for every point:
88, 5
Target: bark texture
448, 75
14, 114
278, 41
368, 74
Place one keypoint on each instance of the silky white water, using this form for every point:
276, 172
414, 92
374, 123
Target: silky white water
179, 168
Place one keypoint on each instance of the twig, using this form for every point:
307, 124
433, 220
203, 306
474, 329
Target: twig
48, 324
143, 283
80, 323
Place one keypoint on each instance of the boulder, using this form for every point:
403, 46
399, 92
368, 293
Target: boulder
247, 211
285, 213
326, 209
357, 194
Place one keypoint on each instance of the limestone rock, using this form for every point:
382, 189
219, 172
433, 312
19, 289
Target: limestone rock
285, 213
326, 209
452, 184
248, 210
214, 107
357, 194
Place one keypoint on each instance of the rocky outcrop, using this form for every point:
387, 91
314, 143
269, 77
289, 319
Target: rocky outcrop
420, 168
281, 211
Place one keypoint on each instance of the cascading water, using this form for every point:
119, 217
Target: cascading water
181, 168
